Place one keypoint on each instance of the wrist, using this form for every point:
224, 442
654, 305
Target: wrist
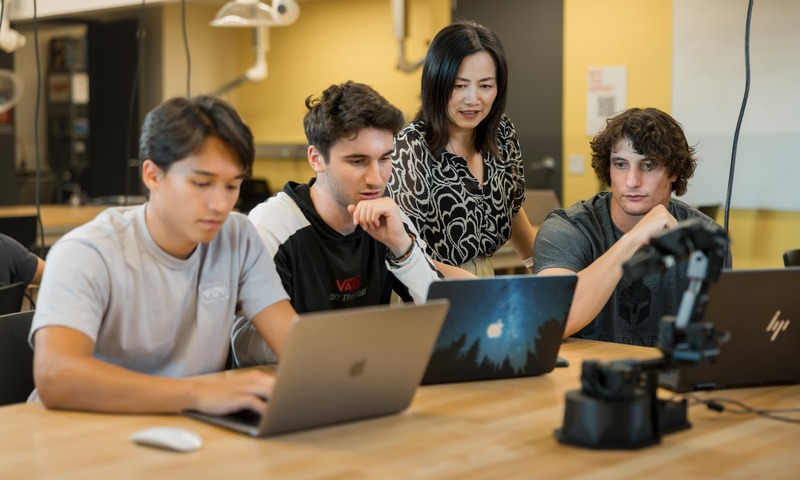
399, 259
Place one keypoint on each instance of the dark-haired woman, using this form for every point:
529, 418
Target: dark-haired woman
458, 167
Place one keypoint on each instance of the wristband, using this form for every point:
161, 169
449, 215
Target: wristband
528, 262
404, 256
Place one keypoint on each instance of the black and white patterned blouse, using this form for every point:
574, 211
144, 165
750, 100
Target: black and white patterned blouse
458, 219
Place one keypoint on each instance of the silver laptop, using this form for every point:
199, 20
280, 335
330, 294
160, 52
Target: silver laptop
501, 327
761, 311
345, 365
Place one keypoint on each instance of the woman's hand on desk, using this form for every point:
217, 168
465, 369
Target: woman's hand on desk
240, 391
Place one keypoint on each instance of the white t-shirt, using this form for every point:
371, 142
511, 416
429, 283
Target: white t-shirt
146, 310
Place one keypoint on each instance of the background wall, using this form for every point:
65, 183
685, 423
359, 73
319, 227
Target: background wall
331, 42
639, 35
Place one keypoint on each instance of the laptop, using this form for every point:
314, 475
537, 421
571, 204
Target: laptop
344, 365
761, 311
500, 327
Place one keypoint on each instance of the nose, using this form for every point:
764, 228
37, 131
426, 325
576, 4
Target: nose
634, 178
218, 198
471, 94
373, 174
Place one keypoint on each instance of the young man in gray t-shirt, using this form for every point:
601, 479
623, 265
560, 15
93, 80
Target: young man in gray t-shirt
143, 296
644, 157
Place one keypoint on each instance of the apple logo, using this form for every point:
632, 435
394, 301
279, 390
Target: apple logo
495, 329
357, 368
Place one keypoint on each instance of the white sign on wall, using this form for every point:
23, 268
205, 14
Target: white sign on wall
607, 95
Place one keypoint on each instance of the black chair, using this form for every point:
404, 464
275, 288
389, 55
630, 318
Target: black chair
21, 229
252, 192
11, 297
791, 258
16, 358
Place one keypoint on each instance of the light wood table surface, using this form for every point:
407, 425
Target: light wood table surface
501, 429
56, 219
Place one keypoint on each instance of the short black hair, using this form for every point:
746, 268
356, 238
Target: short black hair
652, 133
343, 110
178, 127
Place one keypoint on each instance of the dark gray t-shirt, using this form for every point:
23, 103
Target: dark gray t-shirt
576, 237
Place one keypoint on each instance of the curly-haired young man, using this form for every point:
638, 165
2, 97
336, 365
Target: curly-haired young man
644, 157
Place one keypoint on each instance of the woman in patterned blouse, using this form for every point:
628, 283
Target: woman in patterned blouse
458, 166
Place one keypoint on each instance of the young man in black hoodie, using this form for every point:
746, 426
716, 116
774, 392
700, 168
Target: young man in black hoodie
338, 241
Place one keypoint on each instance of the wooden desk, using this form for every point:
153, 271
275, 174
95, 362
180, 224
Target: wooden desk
501, 429
56, 219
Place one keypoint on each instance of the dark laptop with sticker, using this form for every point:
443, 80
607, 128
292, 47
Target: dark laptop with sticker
344, 365
761, 311
501, 327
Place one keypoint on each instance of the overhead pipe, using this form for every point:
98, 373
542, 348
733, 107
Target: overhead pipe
399, 9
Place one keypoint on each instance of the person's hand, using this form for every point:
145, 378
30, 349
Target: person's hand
656, 220
380, 218
239, 391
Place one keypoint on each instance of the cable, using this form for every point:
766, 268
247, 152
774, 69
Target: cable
36, 128
741, 408
738, 125
140, 34
186, 48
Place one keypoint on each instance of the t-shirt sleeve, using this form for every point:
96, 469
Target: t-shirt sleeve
259, 283
560, 244
75, 289
20, 262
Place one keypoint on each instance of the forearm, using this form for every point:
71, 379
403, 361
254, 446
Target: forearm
66, 382
522, 235
449, 271
596, 283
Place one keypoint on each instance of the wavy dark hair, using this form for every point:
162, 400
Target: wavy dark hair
652, 133
449, 48
343, 110
178, 127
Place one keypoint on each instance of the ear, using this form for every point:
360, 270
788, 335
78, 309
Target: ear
151, 175
315, 159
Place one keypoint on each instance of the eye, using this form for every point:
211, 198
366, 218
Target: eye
200, 184
460, 85
648, 166
619, 164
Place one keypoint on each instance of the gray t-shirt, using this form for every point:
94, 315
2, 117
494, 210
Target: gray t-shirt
149, 311
576, 237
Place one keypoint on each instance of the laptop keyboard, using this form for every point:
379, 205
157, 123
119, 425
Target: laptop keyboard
246, 417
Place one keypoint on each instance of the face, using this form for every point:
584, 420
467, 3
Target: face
474, 92
190, 201
637, 183
356, 169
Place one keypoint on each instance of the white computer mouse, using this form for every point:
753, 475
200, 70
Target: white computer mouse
169, 438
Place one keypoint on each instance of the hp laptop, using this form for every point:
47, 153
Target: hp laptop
500, 327
761, 311
344, 365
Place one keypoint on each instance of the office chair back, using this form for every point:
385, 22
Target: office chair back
791, 258
16, 358
21, 229
539, 203
11, 297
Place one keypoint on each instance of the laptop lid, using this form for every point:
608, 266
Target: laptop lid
500, 327
761, 311
345, 365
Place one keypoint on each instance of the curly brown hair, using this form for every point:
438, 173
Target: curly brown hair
652, 133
